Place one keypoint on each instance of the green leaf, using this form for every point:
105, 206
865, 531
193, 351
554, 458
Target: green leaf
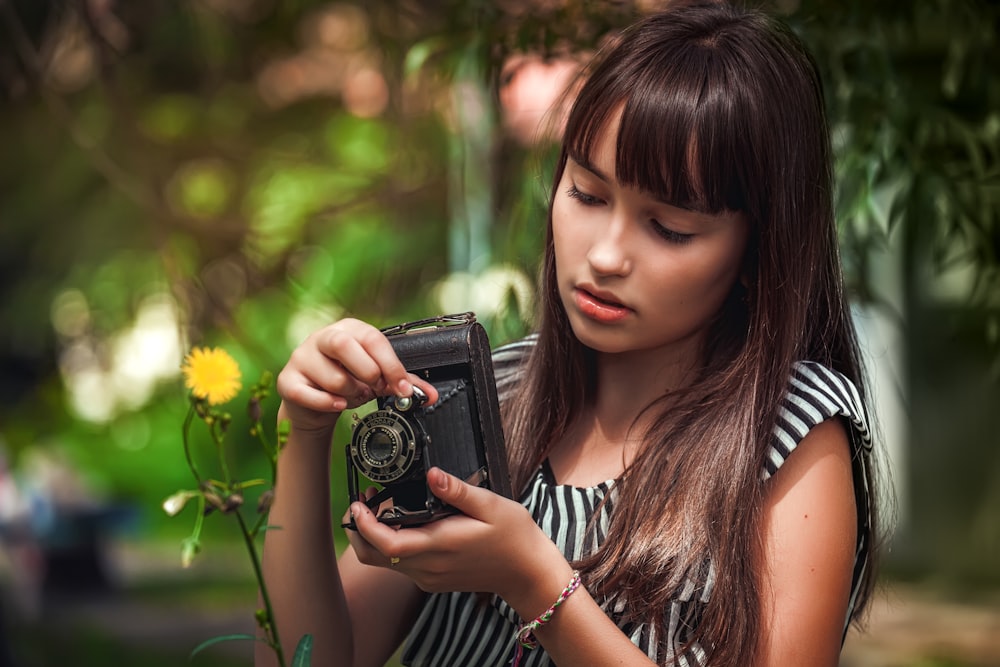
420, 53
303, 652
201, 188
359, 145
223, 638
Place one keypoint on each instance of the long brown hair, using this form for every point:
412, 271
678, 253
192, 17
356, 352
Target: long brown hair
723, 110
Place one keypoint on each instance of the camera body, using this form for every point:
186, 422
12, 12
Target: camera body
397, 444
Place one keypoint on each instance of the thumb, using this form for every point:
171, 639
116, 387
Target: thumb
471, 500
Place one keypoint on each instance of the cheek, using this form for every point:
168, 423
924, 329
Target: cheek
706, 279
563, 237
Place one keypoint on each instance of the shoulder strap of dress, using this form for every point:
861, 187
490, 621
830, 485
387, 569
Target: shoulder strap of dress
815, 393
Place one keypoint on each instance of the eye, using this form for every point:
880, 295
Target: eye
587, 200
669, 234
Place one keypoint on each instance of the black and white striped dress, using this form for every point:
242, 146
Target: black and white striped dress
464, 629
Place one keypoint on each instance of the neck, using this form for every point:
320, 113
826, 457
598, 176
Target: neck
627, 383
605, 437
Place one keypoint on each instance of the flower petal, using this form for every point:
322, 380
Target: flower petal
211, 374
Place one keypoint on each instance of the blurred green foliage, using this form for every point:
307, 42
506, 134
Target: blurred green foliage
265, 167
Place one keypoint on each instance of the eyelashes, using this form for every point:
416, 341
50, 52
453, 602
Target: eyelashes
587, 200
664, 232
669, 234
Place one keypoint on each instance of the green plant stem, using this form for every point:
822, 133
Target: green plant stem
272, 629
220, 449
261, 519
193, 543
187, 447
272, 454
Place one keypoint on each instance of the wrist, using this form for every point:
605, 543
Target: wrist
306, 427
306, 451
535, 589
526, 633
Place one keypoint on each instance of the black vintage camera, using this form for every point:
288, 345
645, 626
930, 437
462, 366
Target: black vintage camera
397, 444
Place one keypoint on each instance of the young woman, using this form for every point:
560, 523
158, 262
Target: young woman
687, 428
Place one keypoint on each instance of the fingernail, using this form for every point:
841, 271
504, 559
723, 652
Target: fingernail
404, 388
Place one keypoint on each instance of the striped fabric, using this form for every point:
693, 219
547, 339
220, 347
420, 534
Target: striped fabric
468, 629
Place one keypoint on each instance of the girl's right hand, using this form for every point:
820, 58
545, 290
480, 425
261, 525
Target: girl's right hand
341, 367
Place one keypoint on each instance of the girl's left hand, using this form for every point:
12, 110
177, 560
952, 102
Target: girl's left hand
494, 546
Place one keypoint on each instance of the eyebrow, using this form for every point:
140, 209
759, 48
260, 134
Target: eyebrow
585, 163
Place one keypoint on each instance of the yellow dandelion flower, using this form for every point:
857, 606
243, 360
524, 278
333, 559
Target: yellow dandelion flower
211, 374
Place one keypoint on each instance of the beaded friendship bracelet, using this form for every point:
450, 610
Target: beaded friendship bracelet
525, 636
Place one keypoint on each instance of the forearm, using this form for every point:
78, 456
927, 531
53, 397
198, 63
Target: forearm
299, 561
580, 633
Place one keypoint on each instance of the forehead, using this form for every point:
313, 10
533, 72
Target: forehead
610, 155
600, 156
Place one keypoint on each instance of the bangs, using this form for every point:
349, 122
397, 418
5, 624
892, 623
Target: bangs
679, 138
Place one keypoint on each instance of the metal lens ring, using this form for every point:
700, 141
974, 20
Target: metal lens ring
383, 446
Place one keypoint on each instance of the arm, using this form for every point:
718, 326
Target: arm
810, 524
339, 367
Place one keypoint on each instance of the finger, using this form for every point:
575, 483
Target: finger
357, 348
428, 389
310, 374
375, 542
363, 549
312, 398
471, 500
368, 355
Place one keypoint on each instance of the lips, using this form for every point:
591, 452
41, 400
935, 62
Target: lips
599, 305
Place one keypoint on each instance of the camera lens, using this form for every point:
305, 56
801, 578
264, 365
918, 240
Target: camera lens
383, 446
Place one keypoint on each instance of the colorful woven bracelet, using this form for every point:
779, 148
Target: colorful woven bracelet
525, 636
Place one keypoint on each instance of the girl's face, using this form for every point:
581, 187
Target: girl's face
635, 273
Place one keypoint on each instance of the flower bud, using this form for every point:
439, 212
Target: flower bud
254, 410
284, 429
265, 501
232, 502
189, 549
175, 503
214, 501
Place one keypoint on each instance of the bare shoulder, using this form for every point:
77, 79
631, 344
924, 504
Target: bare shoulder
810, 523
823, 457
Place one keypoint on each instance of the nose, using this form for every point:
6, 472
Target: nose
609, 254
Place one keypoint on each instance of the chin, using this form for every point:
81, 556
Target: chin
598, 337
